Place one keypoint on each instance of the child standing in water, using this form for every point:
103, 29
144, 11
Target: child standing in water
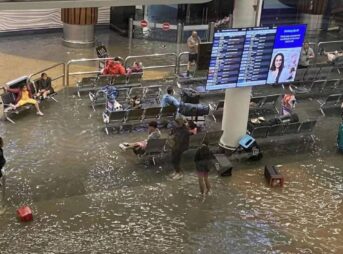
202, 160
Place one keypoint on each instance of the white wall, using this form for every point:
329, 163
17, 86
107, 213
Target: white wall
21, 20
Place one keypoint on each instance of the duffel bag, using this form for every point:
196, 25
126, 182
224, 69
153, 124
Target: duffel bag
189, 95
189, 109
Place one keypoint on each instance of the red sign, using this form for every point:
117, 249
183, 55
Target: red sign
165, 26
144, 23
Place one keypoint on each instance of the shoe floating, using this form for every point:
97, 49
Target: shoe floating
123, 147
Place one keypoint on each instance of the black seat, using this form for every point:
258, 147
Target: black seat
311, 74
257, 101
134, 115
137, 91
307, 126
299, 77
333, 100
324, 72
113, 119
153, 93
213, 137
291, 128
276, 130
260, 132
123, 95
152, 113
168, 112
271, 101
196, 141
155, 147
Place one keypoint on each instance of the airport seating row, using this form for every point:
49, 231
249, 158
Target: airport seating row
305, 127
318, 86
151, 93
8, 99
128, 118
257, 104
157, 147
313, 73
92, 84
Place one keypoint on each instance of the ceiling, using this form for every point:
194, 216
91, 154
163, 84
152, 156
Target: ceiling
47, 4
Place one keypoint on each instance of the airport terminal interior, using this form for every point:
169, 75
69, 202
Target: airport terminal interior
87, 195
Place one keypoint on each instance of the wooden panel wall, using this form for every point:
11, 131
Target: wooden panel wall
79, 16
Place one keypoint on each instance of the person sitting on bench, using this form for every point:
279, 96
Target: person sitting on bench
169, 100
135, 68
333, 56
139, 147
24, 96
43, 86
288, 102
135, 102
113, 67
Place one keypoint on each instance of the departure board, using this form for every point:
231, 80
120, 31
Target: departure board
254, 56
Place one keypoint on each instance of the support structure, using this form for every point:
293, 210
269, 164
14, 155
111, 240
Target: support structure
78, 26
236, 106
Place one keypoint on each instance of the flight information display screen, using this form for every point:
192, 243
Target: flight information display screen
255, 56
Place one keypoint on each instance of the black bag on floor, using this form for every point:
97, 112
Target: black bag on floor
189, 95
188, 109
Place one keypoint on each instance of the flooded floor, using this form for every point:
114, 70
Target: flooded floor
88, 196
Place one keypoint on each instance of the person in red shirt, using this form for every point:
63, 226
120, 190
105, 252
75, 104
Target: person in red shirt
114, 67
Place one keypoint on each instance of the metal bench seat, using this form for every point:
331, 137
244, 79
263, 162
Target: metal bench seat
332, 101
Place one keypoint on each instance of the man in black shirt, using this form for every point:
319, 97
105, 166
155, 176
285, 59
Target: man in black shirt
180, 135
44, 87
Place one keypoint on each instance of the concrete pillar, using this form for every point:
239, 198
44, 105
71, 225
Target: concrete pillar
312, 13
78, 26
237, 100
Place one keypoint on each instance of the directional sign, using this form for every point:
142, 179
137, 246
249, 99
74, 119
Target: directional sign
144, 23
166, 26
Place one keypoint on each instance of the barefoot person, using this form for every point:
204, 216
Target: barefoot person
139, 147
180, 134
202, 160
24, 96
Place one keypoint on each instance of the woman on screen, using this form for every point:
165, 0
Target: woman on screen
276, 70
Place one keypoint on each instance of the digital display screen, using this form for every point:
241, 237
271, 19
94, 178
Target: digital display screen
255, 56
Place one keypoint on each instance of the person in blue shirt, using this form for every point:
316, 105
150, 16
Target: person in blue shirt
169, 100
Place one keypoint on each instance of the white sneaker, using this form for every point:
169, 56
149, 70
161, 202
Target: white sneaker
123, 147
40, 113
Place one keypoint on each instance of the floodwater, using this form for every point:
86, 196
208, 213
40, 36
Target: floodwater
88, 196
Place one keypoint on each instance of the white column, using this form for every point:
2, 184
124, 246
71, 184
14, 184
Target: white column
237, 100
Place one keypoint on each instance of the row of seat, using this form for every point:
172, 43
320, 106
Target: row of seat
157, 147
313, 73
318, 86
284, 129
88, 84
8, 98
257, 103
121, 118
151, 93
